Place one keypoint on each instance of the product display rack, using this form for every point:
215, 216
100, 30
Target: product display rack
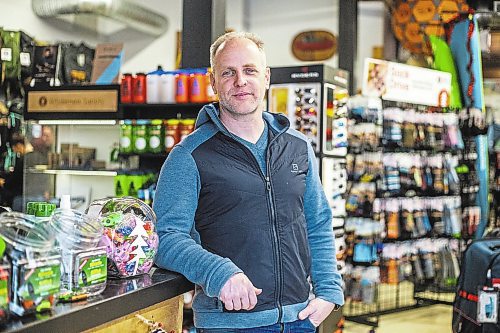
377, 141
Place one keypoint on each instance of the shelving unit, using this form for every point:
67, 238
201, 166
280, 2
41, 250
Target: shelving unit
90, 116
159, 111
98, 173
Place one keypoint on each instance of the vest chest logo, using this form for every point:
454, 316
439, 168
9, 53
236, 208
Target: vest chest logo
295, 168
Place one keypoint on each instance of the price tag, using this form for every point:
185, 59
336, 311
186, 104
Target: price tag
6, 54
487, 305
25, 59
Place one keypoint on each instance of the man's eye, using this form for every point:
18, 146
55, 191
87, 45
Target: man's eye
227, 73
250, 70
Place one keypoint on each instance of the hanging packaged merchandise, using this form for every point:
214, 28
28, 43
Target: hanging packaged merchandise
438, 132
436, 207
76, 63
45, 66
11, 67
392, 132
83, 263
450, 164
392, 213
129, 234
422, 222
10, 50
453, 136
409, 228
452, 216
405, 180
365, 252
36, 273
26, 58
392, 179
436, 164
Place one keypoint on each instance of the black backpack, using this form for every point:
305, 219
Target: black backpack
480, 268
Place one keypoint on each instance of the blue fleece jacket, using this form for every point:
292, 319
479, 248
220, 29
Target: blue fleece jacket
180, 247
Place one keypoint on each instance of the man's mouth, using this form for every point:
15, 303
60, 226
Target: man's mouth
242, 94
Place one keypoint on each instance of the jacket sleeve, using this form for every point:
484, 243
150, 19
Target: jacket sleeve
175, 205
327, 282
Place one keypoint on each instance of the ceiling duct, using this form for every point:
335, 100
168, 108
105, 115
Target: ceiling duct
124, 11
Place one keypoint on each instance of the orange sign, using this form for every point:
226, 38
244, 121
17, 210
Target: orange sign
314, 45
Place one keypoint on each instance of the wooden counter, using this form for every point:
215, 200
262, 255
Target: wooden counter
156, 296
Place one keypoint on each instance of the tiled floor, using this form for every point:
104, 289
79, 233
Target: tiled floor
430, 319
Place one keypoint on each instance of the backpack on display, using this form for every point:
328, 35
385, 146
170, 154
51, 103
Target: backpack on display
475, 308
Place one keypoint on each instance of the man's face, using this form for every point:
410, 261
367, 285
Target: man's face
240, 77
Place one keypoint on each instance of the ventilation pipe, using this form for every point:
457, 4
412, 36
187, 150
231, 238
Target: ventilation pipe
124, 11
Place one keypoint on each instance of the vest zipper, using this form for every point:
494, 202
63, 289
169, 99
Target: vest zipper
279, 277
277, 243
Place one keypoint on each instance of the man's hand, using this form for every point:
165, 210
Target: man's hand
317, 310
239, 293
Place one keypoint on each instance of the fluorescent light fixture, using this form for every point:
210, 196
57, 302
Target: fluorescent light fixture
79, 172
78, 122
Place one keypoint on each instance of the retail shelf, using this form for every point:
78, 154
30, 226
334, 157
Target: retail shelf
105, 173
145, 155
160, 111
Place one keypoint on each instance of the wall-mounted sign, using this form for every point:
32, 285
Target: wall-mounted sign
314, 45
86, 101
403, 83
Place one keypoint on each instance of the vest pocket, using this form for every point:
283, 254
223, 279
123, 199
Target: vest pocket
203, 303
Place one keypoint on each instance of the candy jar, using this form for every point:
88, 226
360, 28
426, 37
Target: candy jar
35, 264
84, 264
128, 234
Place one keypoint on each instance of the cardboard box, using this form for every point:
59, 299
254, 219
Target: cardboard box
107, 63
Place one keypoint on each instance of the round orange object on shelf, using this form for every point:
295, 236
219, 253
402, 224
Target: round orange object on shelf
412, 20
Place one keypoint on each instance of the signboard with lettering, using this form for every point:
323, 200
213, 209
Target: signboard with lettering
404, 83
73, 100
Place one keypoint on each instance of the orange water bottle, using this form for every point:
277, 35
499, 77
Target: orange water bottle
197, 86
182, 87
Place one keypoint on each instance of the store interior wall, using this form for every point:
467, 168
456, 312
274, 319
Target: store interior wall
277, 22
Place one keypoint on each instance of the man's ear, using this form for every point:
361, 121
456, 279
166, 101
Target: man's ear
268, 77
212, 82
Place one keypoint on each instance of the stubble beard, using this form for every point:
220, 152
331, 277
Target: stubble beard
232, 111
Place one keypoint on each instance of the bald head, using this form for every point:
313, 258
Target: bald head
227, 38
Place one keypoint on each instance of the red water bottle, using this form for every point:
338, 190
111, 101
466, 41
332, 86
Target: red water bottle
139, 88
126, 88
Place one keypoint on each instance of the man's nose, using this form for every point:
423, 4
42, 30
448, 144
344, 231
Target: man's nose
240, 79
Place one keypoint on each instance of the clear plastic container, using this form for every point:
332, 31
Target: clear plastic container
129, 234
35, 264
84, 264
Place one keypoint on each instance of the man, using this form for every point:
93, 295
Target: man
241, 211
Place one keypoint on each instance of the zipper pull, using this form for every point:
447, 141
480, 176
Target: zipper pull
268, 183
